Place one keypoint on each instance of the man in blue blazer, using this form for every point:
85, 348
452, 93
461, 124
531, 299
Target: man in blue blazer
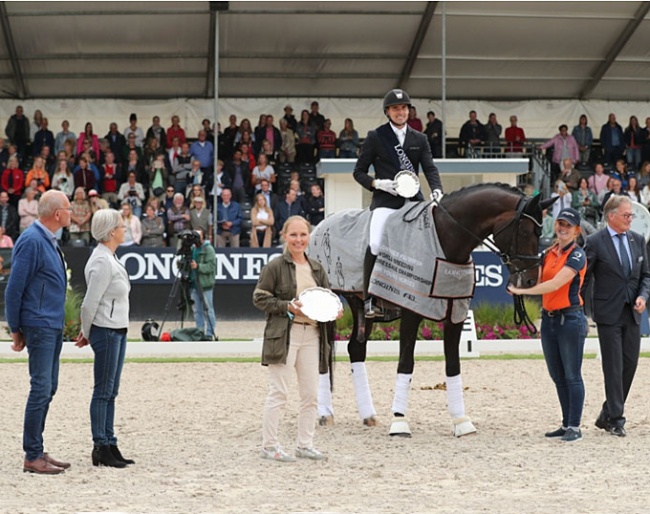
35, 300
617, 264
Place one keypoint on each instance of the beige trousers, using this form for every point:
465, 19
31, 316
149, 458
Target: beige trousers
304, 357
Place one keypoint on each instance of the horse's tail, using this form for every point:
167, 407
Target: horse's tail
331, 359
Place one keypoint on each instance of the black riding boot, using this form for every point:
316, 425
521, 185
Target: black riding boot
370, 309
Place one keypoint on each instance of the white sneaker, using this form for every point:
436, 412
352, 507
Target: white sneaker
277, 454
309, 453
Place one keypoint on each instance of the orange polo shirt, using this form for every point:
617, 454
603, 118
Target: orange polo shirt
568, 295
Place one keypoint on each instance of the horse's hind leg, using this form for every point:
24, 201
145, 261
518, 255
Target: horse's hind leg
357, 347
455, 402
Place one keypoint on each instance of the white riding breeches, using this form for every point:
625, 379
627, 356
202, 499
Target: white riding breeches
377, 222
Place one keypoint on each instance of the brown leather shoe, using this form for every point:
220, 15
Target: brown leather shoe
54, 462
41, 467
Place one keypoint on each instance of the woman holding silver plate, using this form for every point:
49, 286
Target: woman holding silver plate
294, 340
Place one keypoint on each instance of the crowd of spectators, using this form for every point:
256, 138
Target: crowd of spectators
163, 181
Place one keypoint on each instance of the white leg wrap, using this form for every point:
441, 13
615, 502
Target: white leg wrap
402, 388
362, 390
325, 407
455, 402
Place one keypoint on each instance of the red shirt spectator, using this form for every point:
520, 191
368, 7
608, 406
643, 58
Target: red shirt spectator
515, 136
175, 131
13, 180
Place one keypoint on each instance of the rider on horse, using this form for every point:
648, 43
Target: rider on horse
390, 148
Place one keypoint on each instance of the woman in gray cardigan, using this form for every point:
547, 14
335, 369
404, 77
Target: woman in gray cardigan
104, 323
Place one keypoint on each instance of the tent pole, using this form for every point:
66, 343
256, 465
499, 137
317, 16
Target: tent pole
443, 99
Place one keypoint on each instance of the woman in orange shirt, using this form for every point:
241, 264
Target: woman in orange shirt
564, 325
40, 175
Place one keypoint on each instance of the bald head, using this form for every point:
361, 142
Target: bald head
50, 202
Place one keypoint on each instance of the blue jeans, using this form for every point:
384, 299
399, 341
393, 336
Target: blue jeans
563, 341
202, 302
44, 348
109, 347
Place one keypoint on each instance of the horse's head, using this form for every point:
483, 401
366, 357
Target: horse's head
518, 239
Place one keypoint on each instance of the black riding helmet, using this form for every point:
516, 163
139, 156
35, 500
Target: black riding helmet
396, 97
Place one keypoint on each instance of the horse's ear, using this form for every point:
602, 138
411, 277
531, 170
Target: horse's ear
545, 204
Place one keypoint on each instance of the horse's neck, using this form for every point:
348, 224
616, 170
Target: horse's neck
473, 221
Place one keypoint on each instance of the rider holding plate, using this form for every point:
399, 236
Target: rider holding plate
392, 149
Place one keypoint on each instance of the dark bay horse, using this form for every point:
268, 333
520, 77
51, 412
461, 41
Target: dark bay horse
463, 220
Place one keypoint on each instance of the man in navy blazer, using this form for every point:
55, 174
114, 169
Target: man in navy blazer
35, 300
617, 264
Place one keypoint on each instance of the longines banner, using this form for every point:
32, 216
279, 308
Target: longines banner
243, 266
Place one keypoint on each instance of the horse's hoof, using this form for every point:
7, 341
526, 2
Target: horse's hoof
463, 426
371, 421
326, 421
400, 428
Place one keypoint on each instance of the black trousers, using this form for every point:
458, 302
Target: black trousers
620, 345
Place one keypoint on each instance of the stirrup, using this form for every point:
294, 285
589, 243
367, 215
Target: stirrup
372, 311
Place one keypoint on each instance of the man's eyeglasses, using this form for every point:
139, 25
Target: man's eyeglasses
627, 216
69, 209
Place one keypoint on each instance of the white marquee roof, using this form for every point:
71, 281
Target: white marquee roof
495, 50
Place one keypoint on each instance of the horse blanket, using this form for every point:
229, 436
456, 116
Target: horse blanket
411, 270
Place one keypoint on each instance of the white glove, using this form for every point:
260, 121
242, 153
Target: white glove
386, 185
436, 195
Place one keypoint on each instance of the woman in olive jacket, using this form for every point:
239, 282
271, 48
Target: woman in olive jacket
292, 340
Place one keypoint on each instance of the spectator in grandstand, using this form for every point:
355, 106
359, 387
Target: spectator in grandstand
632, 189
262, 222
69, 147
271, 155
134, 129
182, 168
269, 132
221, 180
13, 181
643, 175
620, 172
247, 156
203, 150
60, 138
133, 232
263, 170
284, 209
80, 217
287, 151
153, 228
175, 131
615, 189
117, 142
291, 120
48, 160
110, 179
200, 217
43, 138
229, 135
39, 174
239, 176
178, 219
9, 218
564, 146
306, 134
598, 181
28, 208
96, 203
5, 242
132, 191
244, 126
209, 130
157, 175
612, 140
174, 151
584, 137
472, 135
84, 177
314, 205
4, 154
564, 197
269, 195
413, 121
88, 134
326, 141
633, 141
88, 152
570, 175
585, 202
645, 141
348, 142
194, 192
433, 132
36, 123
515, 137
644, 195
157, 132
63, 180
492, 135
315, 117
17, 130
229, 218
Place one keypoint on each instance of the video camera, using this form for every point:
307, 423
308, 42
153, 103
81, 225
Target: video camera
188, 239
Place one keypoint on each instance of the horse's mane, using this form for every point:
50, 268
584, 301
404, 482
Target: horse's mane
484, 185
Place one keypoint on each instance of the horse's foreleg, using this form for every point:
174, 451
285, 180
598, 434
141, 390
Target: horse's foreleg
462, 425
357, 351
325, 406
409, 325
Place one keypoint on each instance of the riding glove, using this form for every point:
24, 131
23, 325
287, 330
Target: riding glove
386, 185
436, 195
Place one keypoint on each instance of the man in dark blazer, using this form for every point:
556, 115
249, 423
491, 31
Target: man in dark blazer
389, 149
617, 264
